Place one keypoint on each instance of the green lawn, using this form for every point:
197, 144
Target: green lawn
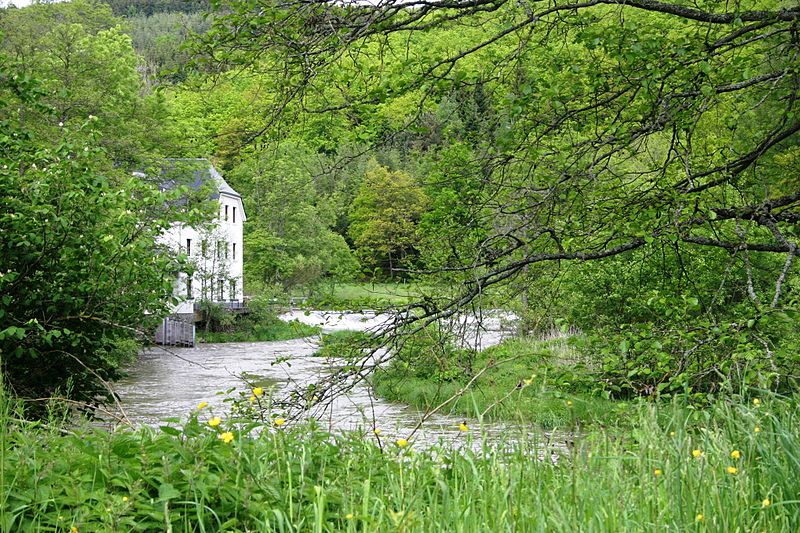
355, 296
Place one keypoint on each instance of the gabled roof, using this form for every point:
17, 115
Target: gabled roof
202, 171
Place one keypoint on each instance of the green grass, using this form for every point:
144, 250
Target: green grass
343, 344
185, 478
277, 330
355, 296
529, 381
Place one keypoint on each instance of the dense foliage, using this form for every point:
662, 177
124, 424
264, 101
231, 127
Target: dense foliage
623, 169
81, 275
731, 468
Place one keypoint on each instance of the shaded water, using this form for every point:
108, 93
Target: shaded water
167, 383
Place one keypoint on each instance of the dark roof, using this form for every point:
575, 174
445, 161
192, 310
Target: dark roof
195, 173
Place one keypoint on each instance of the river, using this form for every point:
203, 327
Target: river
171, 382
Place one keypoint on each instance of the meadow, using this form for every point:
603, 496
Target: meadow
732, 466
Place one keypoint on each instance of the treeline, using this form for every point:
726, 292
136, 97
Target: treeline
131, 8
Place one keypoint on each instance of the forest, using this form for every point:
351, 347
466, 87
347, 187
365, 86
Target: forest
621, 176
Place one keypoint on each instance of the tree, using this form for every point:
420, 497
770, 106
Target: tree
289, 239
384, 217
620, 127
86, 67
80, 273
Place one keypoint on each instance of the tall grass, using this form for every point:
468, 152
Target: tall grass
301, 479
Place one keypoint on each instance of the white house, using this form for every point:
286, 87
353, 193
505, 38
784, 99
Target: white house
214, 249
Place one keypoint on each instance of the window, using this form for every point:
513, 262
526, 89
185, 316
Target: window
233, 289
234, 251
188, 246
226, 213
189, 287
234, 214
221, 287
204, 248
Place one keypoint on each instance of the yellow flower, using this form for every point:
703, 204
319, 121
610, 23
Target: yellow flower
732, 470
765, 502
757, 430
736, 454
569, 403
756, 402
280, 421
657, 472
226, 437
73, 529
349, 516
377, 431
252, 398
697, 454
699, 517
258, 391
124, 498
528, 381
671, 433
214, 422
402, 443
202, 405
463, 427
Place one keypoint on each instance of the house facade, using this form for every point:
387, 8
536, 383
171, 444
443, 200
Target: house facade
215, 250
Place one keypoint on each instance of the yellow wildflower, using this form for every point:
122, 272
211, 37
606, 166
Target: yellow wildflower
671, 433
252, 398
527, 381
699, 517
349, 516
756, 402
765, 502
736, 454
697, 454
402, 443
757, 430
258, 391
463, 427
226, 437
732, 470
280, 421
73, 529
569, 403
214, 422
124, 498
657, 472
377, 431
202, 405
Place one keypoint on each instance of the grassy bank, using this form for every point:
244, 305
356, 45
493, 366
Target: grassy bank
344, 344
528, 381
367, 295
733, 467
277, 330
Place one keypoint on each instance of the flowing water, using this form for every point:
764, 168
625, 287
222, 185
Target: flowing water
169, 383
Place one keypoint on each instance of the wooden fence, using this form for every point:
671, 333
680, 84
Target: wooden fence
175, 332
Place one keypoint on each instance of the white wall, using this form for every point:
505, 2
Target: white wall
222, 260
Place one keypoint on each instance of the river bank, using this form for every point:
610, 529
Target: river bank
731, 467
